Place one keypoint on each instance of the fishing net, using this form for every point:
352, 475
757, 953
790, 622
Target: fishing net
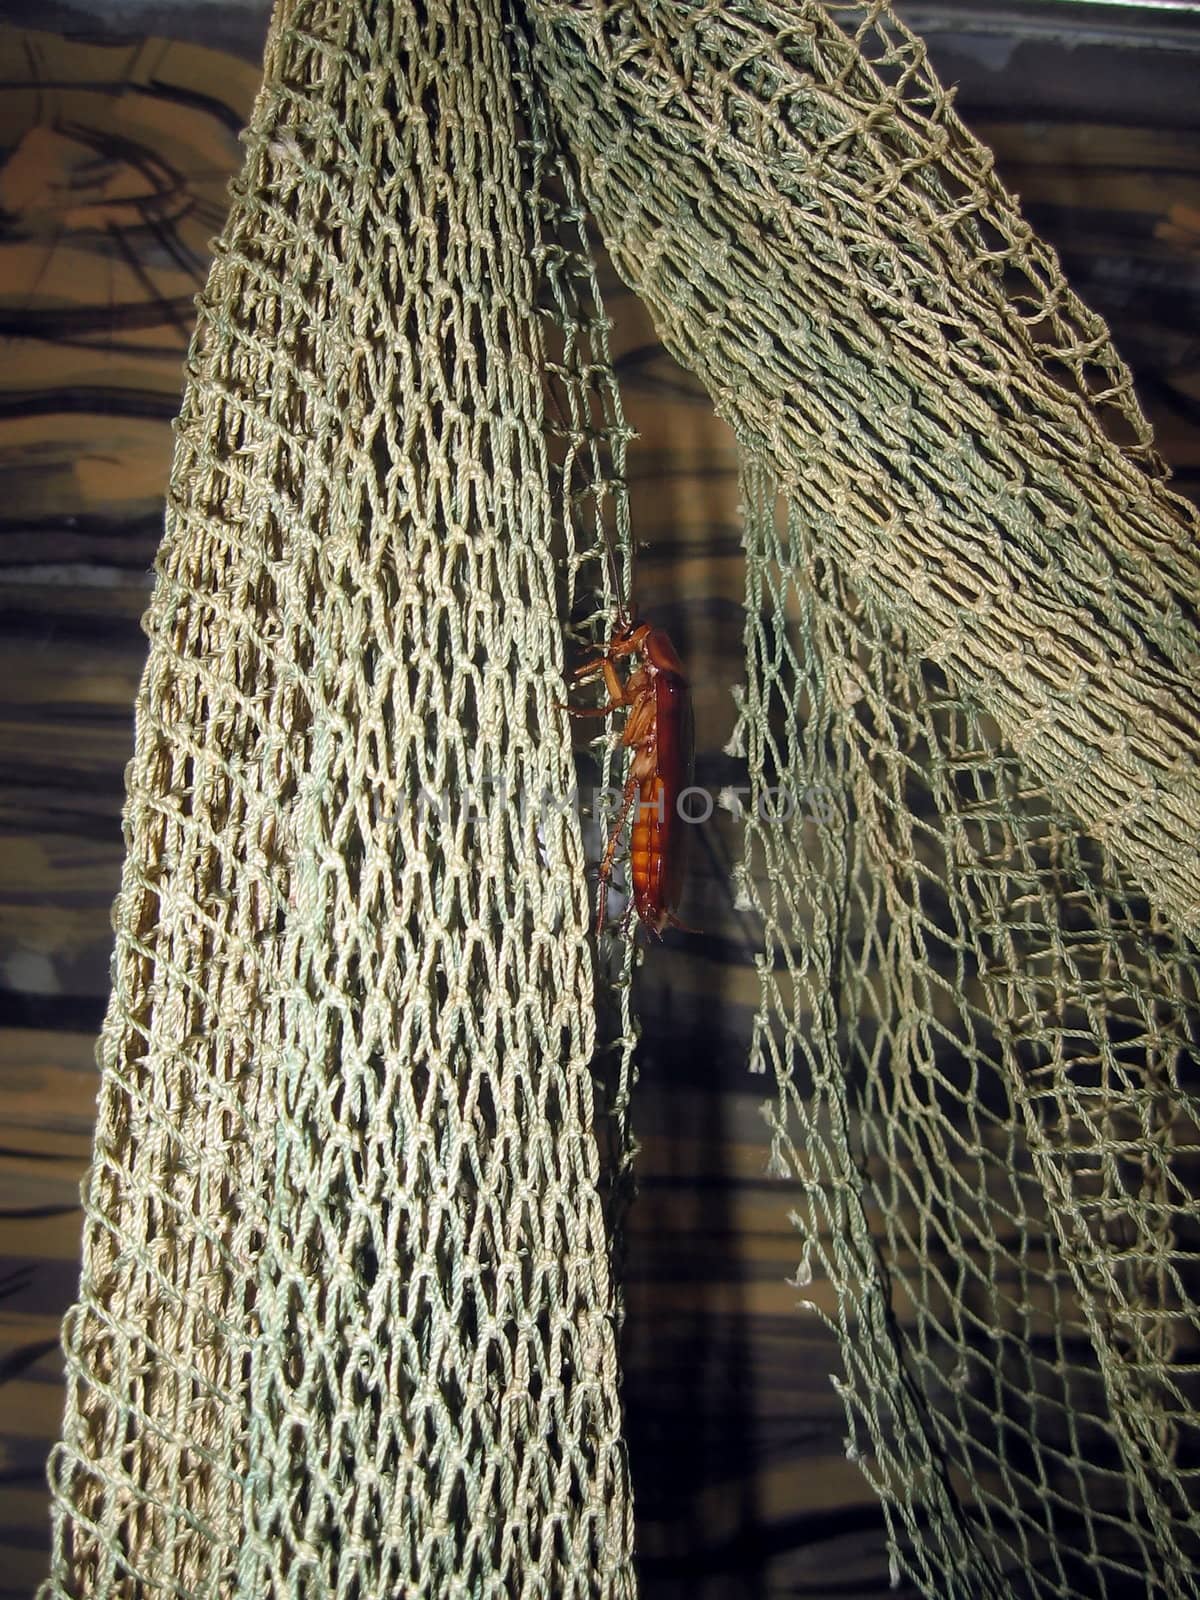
348, 1320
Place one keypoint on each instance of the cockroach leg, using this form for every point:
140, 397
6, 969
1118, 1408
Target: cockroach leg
606, 866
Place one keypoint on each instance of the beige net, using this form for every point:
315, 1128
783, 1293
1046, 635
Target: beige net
347, 1322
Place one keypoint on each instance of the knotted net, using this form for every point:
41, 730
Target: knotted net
347, 1322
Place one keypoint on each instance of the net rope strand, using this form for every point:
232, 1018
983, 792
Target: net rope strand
347, 1322
595, 518
979, 987
825, 246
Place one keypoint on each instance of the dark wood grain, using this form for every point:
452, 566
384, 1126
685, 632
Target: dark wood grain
115, 160
115, 164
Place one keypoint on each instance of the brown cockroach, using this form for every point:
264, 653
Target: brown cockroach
659, 732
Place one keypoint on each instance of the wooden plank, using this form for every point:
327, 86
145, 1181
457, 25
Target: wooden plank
737, 1435
116, 162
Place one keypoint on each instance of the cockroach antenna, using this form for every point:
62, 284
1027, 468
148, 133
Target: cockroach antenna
624, 607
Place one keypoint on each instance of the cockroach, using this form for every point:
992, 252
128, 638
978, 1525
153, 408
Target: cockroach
660, 733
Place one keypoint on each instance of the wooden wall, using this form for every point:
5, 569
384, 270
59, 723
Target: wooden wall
114, 155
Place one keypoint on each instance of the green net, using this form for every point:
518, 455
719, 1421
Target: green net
348, 1320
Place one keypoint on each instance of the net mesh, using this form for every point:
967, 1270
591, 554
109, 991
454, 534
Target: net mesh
347, 1321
